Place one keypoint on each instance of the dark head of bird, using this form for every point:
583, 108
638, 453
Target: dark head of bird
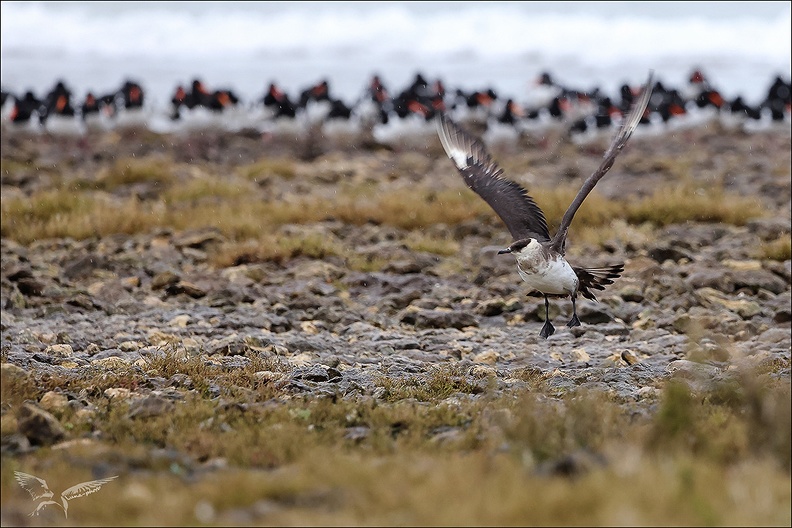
516, 246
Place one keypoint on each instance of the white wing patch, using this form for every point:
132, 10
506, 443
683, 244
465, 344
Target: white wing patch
457, 154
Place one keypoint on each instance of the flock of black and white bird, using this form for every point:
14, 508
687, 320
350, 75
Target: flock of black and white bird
398, 116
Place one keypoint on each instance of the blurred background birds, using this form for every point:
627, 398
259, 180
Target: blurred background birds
384, 69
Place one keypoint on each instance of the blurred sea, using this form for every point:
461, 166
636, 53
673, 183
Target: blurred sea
741, 46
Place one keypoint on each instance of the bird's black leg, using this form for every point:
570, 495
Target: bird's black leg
574, 321
548, 329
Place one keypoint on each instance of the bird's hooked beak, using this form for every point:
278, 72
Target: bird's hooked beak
505, 250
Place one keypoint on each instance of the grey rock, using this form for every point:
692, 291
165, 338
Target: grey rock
30, 287
228, 346
39, 426
323, 288
759, 279
438, 319
406, 343
115, 352
83, 266
16, 273
664, 252
594, 313
315, 373
783, 315
632, 293
163, 280
686, 368
403, 298
198, 239
231, 295
188, 288
491, 307
356, 434
769, 228
776, 335
717, 278
782, 269
627, 311
403, 266
149, 407
15, 444
81, 300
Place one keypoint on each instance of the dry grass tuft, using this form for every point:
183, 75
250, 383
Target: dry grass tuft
202, 191
410, 208
688, 202
547, 428
425, 242
278, 249
439, 383
779, 249
265, 169
128, 171
735, 418
242, 210
57, 214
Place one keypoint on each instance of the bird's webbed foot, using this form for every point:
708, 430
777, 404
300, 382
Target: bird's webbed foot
547, 330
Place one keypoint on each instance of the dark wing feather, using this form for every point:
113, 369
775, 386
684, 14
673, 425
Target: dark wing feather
596, 279
616, 145
510, 201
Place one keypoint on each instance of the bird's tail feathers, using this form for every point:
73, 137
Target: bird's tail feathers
596, 279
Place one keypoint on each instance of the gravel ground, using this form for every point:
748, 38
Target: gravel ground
695, 298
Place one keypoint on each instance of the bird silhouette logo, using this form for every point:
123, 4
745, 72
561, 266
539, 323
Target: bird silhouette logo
39, 490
